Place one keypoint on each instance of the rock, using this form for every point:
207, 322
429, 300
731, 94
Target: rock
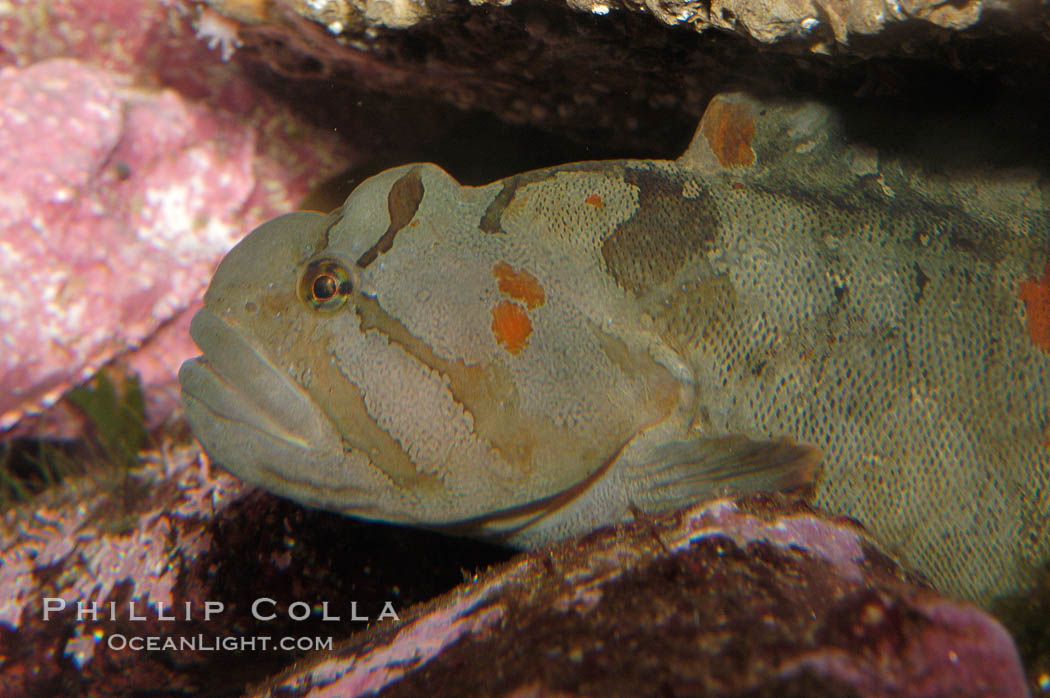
627, 72
148, 550
101, 540
724, 598
761, 596
121, 194
117, 204
817, 25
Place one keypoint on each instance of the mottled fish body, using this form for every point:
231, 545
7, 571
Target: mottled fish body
539, 356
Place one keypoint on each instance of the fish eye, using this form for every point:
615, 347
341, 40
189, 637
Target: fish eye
325, 284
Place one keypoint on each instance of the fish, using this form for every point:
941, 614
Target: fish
527, 360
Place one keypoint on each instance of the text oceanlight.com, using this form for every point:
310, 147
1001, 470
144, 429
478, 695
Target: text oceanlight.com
216, 643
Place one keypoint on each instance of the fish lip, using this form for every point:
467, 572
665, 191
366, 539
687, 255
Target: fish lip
241, 410
259, 424
237, 380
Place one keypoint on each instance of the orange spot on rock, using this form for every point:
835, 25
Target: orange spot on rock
729, 129
413, 224
250, 11
519, 285
1036, 296
511, 326
596, 201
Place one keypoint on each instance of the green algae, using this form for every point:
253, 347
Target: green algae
112, 406
117, 417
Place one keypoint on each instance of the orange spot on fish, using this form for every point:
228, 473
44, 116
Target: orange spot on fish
519, 285
413, 224
729, 129
1036, 296
596, 201
511, 326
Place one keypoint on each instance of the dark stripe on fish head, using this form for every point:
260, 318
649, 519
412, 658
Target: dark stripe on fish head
402, 203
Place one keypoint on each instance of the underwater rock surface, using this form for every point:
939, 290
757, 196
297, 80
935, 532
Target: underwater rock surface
117, 538
817, 25
117, 203
153, 547
760, 596
127, 172
628, 70
724, 598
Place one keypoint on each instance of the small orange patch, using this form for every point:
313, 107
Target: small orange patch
511, 326
247, 11
596, 201
519, 285
729, 129
1036, 296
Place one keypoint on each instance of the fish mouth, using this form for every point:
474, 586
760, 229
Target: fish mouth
237, 394
257, 422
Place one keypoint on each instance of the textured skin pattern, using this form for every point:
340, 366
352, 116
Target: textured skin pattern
539, 353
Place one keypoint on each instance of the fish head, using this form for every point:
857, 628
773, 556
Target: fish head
395, 360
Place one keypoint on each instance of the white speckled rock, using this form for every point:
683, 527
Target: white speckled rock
119, 196
725, 598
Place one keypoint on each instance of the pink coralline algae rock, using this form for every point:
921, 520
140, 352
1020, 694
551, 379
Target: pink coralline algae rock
760, 596
118, 35
115, 204
67, 532
150, 550
113, 539
133, 157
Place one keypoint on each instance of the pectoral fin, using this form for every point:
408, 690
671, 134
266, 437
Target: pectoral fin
665, 476
681, 472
